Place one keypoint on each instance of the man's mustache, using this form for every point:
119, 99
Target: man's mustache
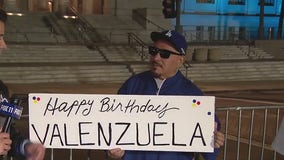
154, 63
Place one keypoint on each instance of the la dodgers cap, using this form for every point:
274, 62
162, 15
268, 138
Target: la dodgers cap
173, 37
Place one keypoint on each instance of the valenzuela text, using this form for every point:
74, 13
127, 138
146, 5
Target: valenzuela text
118, 133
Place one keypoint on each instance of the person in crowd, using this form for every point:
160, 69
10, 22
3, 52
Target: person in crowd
167, 55
13, 143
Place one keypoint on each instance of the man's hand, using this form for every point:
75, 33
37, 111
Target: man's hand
5, 143
35, 151
218, 138
115, 153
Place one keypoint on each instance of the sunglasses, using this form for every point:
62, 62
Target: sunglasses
153, 51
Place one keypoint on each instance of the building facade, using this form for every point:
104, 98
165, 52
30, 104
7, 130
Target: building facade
200, 19
229, 19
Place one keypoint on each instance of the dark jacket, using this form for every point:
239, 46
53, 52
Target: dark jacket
144, 84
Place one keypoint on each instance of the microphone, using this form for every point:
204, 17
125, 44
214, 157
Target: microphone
11, 110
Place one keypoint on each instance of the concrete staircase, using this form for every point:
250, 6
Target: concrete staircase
235, 52
114, 64
273, 47
50, 53
54, 74
105, 27
29, 28
119, 53
41, 28
59, 63
255, 52
237, 71
115, 29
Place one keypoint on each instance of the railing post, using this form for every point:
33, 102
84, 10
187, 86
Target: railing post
264, 133
71, 154
51, 154
276, 129
250, 133
128, 39
226, 134
239, 134
178, 8
142, 52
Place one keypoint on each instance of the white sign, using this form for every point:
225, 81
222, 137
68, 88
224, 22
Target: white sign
130, 122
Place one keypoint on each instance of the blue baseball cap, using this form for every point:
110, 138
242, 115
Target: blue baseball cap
176, 39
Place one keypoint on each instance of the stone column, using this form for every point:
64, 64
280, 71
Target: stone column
201, 54
214, 54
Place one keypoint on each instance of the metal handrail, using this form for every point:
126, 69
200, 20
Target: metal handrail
148, 20
86, 26
141, 49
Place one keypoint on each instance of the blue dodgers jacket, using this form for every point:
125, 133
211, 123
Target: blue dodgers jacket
145, 84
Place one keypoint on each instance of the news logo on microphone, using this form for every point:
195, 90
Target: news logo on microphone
10, 110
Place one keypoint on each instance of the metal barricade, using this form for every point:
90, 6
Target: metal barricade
249, 131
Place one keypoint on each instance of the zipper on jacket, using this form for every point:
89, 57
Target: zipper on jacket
159, 84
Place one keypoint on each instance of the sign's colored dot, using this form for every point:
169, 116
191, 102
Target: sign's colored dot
198, 102
193, 105
194, 100
38, 99
209, 113
34, 98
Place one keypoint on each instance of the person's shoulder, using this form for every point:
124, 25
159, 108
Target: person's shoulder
137, 78
191, 87
131, 84
141, 76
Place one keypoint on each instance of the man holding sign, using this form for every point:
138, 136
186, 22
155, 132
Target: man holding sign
164, 78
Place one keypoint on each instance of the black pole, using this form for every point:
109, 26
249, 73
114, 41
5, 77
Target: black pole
178, 9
